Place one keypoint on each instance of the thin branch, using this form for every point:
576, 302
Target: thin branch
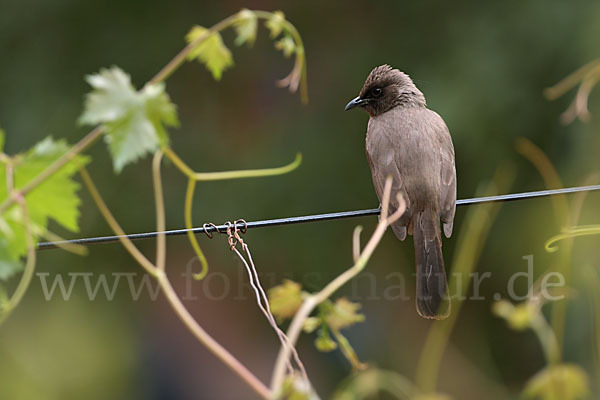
314, 300
356, 243
112, 222
211, 344
161, 245
172, 297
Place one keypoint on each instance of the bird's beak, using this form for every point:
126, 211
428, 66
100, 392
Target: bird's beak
357, 102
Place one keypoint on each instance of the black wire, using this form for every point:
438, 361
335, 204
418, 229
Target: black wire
310, 218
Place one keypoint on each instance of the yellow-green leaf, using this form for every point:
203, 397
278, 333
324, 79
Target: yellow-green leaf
285, 299
343, 314
325, 343
245, 27
296, 388
287, 45
211, 51
558, 382
276, 23
310, 324
56, 198
518, 317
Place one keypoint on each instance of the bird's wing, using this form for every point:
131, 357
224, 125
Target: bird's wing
386, 165
448, 179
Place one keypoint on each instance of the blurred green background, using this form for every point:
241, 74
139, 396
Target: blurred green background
482, 66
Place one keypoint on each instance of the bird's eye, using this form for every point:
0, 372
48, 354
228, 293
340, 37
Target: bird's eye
376, 92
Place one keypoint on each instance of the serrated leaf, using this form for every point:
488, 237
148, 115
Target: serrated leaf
246, 27
275, 24
344, 314
287, 45
134, 121
558, 382
285, 299
56, 198
211, 52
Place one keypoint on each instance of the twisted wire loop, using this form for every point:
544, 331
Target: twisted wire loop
210, 225
237, 231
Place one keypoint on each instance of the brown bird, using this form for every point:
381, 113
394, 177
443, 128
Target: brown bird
411, 143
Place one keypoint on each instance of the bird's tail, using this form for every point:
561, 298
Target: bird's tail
432, 302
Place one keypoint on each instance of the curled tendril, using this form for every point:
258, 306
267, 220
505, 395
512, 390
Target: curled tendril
551, 245
586, 77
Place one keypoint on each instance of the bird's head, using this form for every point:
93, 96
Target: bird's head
386, 88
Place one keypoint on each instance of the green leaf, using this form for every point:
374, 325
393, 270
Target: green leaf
344, 314
246, 27
211, 52
276, 24
311, 324
295, 387
8, 264
519, 317
285, 299
287, 45
134, 121
558, 382
56, 198
324, 342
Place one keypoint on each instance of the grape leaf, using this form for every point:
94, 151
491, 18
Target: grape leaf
211, 52
55, 198
285, 299
343, 314
276, 23
134, 120
246, 27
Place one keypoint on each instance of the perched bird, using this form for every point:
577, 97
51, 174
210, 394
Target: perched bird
412, 144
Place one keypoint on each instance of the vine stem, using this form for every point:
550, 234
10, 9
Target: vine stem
29, 266
314, 300
114, 225
223, 175
211, 344
163, 74
161, 242
184, 315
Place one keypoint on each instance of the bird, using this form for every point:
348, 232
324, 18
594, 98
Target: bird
412, 144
